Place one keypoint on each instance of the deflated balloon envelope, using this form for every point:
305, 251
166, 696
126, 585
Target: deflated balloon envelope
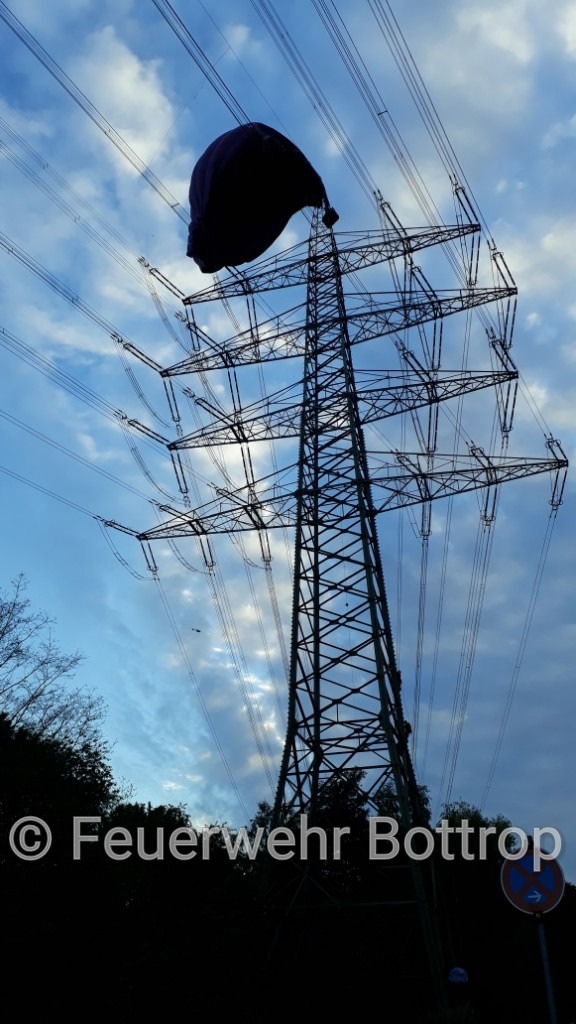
244, 189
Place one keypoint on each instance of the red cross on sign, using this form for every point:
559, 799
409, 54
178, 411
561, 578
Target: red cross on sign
534, 892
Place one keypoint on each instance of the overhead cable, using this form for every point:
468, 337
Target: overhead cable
93, 113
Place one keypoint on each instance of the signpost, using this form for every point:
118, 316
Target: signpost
535, 891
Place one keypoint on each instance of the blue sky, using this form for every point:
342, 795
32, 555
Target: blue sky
501, 77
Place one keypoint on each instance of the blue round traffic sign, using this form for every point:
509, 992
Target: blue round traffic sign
530, 890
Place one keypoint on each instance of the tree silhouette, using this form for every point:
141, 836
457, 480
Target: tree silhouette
35, 676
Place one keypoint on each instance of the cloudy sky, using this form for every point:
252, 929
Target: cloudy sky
192, 666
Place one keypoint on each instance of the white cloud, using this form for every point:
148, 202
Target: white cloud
541, 255
60, 333
128, 92
92, 451
533, 320
507, 26
559, 130
565, 23
241, 40
172, 787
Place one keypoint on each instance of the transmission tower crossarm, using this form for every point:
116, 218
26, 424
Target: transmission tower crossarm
458, 475
372, 317
273, 419
357, 250
408, 479
381, 402
268, 426
375, 319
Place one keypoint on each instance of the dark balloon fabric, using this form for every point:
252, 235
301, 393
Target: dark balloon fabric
243, 191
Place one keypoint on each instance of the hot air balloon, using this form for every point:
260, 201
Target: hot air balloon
243, 191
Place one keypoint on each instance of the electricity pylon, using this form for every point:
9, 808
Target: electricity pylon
345, 695
345, 706
344, 703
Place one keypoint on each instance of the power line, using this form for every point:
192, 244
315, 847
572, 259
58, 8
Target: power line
526, 631
48, 492
201, 700
41, 436
88, 107
201, 60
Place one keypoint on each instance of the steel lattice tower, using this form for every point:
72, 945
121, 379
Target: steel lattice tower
345, 695
345, 707
345, 701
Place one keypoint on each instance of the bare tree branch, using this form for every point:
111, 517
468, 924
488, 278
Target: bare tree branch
35, 676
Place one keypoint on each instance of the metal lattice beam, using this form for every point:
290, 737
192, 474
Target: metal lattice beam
280, 415
408, 480
277, 338
357, 250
